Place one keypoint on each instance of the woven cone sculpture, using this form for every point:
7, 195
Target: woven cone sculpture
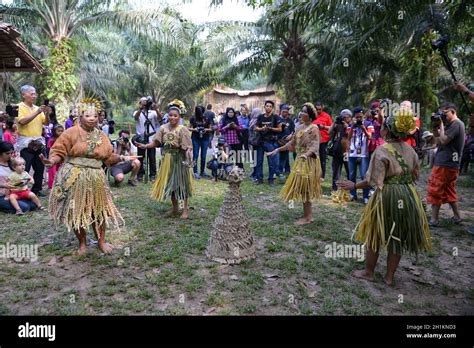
231, 241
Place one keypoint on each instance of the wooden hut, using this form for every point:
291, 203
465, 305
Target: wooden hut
222, 97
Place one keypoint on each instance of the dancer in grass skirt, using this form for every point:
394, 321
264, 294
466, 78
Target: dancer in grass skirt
175, 177
394, 218
80, 196
304, 182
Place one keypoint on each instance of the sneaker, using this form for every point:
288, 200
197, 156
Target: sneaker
196, 176
140, 178
205, 175
258, 182
433, 224
366, 201
20, 212
352, 198
133, 182
282, 176
271, 182
152, 178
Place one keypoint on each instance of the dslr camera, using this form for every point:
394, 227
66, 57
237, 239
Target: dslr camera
339, 119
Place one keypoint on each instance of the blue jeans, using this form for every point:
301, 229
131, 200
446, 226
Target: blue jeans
25, 205
284, 162
272, 161
200, 144
363, 166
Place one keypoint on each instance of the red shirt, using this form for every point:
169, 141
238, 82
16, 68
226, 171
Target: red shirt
324, 119
410, 140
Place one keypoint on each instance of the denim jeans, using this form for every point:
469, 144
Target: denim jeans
284, 162
272, 161
6, 206
200, 145
363, 164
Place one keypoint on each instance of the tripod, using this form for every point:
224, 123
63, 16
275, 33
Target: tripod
450, 67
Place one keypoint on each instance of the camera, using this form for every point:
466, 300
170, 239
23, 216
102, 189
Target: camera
373, 112
149, 103
12, 110
440, 44
358, 123
124, 140
439, 116
339, 119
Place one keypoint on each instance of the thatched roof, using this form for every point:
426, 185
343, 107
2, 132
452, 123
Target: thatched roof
230, 91
14, 55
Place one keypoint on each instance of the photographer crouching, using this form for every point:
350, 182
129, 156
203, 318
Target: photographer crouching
118, 171
448, 131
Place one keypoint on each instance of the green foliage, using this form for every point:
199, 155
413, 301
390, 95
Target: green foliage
419, 66
60, 80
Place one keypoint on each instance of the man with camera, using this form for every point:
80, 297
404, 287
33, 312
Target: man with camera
147, 119
122, 148
449, 132
339, 144
30, 143
324, 122
359, 135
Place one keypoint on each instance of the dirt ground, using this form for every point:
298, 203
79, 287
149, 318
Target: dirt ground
159, 266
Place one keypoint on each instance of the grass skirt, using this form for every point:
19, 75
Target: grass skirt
173, 178
395, 219
81, 196
304, 182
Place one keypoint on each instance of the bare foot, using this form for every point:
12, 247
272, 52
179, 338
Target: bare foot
106, 248
170, 213
82, 249
184, 215
363, 274
388, 281
303, 221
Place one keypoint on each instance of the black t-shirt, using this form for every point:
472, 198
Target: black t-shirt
449, 155
273, 121
205, 124
288, 127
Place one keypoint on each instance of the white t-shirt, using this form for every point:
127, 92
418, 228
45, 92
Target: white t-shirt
140, 123
359, 141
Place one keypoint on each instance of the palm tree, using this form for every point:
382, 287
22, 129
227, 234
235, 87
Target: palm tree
65, 23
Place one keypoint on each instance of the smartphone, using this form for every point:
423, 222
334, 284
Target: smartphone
46, 102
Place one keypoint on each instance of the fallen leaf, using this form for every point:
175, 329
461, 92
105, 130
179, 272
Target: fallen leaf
312, 294
233, 277
210, 310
